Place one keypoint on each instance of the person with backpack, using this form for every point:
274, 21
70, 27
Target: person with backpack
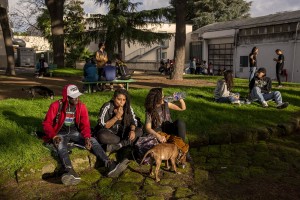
67, 121
90, 73
117, 124
158, 116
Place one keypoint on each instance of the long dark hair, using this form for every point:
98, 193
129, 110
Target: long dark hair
253, 50
228, 79
127, 116
153, 98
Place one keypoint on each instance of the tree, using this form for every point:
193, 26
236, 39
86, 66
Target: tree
203, 12
56, 11
10, 70
124, 22
180, 38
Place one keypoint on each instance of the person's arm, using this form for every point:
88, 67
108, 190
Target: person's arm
173, 106
119, 114
223, 89
49, 119
149, 130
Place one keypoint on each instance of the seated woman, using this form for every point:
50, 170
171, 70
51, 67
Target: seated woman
158, 117
223, 92
117, 123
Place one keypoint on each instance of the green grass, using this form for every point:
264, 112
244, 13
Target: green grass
19, 118
67, 72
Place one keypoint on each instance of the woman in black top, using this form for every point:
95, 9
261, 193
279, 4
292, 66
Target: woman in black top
253, 62
279, 65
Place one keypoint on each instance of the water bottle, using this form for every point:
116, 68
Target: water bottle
175, 97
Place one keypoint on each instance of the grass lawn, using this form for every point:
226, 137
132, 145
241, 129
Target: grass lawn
20, 118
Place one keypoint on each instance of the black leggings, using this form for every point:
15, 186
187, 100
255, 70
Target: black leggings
278, 71
106, 136
177, 128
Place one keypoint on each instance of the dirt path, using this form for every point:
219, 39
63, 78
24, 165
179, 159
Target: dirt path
11, 86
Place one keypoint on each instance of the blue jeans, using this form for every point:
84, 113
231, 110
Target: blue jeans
252, 73
77, 138
256, 94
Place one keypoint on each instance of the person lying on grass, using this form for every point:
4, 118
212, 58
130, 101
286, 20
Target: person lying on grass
67, 121
260, 88
223, 90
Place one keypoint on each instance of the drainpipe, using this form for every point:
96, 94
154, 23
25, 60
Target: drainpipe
235, 51
295, 45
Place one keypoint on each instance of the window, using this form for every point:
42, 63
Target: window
221, 56
164, 55
244, 61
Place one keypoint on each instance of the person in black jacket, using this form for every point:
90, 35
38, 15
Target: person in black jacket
260, 88
117, 123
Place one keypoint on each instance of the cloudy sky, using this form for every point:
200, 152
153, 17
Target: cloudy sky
259, 7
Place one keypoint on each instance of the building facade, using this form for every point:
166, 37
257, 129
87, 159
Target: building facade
227, 45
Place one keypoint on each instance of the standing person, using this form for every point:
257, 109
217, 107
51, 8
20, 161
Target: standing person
223, 90
260, 88
117, 123
90, 73
193, 66
41, 67
210, 69
101, 59
253, 62
67, 121
279, 65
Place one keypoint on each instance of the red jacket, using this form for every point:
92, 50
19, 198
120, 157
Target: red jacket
51, 128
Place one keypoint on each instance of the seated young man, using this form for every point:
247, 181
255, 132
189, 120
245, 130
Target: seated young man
260, 88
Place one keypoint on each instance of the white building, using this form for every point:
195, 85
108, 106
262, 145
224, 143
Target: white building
228, 44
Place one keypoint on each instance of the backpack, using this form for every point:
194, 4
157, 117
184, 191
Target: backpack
124, 72
142, 145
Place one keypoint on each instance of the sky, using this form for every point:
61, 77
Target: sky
258, 8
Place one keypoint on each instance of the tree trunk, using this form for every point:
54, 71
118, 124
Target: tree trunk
56, 11
180, 37
10, 70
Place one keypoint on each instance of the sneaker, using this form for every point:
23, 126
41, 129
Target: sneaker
264, 104
282, 105
70, 178
113, 147
114, 169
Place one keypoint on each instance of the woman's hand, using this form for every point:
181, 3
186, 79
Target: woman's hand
131, 135
119, 112
161, 139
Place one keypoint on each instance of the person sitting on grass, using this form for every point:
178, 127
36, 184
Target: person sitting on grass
260, 88
117, 123
158, 116
223, 90
67, 121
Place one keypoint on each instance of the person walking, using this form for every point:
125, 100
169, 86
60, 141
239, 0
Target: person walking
253, 62
279, 65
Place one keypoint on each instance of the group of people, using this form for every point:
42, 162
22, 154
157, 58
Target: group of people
279, 64
259, 84
200, 67
67, 120
100, 68
166, 67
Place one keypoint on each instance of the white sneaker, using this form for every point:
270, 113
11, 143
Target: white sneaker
264, 104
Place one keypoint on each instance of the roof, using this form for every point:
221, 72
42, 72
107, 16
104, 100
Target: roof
278, 18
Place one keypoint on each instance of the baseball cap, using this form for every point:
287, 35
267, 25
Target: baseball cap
73, 92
